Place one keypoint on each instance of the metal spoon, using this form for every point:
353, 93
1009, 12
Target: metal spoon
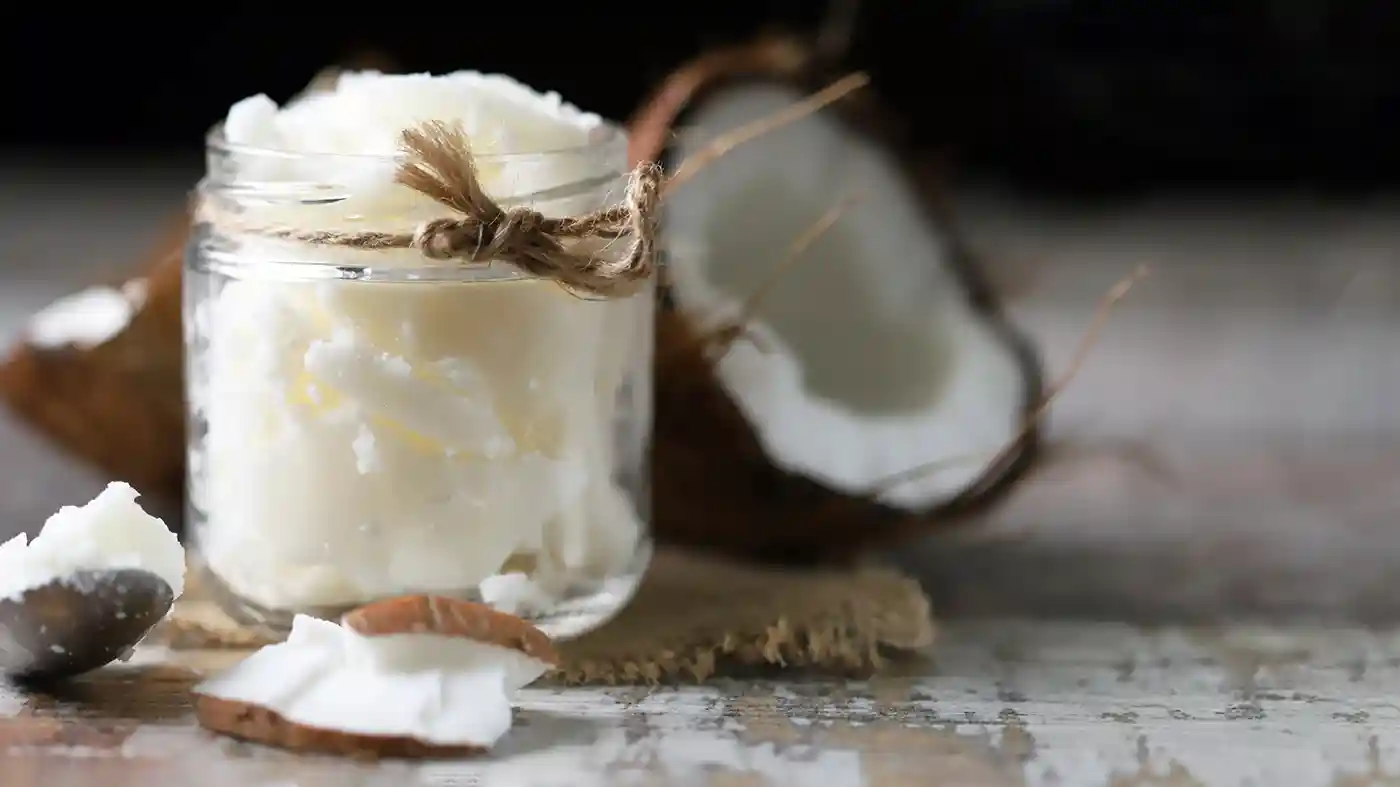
78, 623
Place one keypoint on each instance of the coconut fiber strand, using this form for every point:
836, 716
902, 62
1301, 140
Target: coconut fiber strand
693, 618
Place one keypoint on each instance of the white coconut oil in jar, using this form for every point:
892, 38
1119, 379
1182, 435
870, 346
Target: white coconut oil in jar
369, 422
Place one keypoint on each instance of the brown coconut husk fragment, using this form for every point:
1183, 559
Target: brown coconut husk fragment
714, 484
448, 617
255, 724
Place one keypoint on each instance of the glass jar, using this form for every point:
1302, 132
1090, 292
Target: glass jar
371, 423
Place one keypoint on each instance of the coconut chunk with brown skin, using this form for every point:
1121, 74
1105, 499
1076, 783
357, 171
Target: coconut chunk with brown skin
871, 355
418, 676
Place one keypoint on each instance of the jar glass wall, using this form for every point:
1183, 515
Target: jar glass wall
370, 423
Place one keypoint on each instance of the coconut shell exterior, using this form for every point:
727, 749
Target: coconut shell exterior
255, 724
713, 485
448, 617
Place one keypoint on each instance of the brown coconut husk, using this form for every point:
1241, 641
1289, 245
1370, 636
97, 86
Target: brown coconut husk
714, 487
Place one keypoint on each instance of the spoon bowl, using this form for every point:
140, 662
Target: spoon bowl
77, 623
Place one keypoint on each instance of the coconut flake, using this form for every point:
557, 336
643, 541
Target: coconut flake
110, 532
442, 691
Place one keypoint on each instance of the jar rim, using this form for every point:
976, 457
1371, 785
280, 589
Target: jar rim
603, 139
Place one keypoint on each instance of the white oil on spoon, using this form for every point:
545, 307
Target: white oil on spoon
87, 588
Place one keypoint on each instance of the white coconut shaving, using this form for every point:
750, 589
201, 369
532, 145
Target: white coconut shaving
443, 691
110, 532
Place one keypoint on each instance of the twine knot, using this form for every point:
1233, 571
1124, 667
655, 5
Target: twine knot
438, 163
476, 240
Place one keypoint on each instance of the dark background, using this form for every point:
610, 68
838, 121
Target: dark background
1067, 95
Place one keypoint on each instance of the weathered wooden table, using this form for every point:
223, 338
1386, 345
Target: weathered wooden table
998, 704
1276, 502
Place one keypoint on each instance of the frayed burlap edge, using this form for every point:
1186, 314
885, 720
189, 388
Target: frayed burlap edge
693, 619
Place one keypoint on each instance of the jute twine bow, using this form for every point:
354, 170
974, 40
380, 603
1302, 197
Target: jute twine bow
438, 163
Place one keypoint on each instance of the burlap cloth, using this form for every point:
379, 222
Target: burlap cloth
693, 618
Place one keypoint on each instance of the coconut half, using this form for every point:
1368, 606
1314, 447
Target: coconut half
882, 350
418, 676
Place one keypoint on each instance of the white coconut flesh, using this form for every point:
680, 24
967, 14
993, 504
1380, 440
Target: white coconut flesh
444, 691
868, 357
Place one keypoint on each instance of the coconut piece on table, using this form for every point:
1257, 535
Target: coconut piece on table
882, 350
417, 676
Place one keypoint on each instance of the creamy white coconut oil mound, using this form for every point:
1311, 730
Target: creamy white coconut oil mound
111, 532
367, 421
